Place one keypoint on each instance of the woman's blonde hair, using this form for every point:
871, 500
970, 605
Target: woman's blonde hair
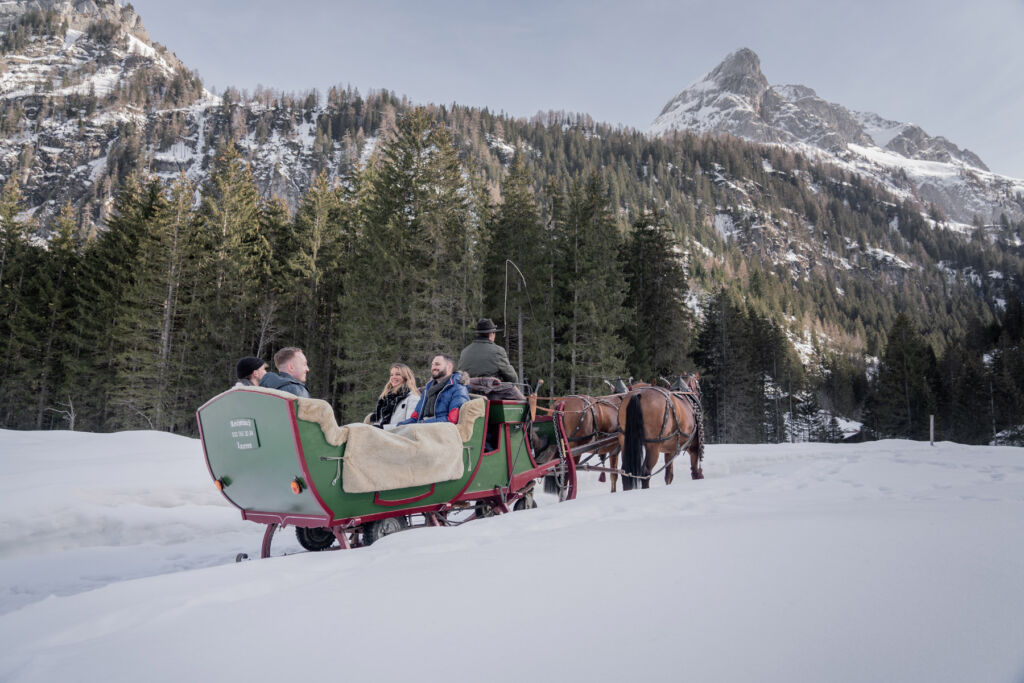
408, 380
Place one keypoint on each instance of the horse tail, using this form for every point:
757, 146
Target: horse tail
633, 448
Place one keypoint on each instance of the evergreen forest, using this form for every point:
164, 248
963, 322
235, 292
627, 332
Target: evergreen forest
597, 250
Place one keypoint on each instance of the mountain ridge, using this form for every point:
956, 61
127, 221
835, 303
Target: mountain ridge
799, 247
736, 98
83, 109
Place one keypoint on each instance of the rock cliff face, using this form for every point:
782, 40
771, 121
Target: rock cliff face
79, 14
67, 114
736, 98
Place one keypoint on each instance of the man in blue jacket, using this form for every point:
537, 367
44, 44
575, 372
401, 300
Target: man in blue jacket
443, 396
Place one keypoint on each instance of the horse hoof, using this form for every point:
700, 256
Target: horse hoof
601, 478
696, 474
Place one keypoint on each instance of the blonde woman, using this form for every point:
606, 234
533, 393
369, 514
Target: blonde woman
398, 398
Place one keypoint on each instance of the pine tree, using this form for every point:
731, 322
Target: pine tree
1006, 373
317, 270
110, 267
151, 329
658, 324
555, 245
516, 272
902, 397
414, 261
733, 393
53, 282
18, 260
776, 371
592, 291
232, 258
962, 399
276, 287
12, 231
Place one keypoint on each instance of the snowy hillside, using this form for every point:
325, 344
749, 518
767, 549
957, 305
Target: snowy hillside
888, 561
736, 98
87, 99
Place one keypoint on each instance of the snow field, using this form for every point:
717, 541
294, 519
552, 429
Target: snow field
890, 561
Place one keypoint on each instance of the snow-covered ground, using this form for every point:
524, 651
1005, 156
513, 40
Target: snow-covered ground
886, 561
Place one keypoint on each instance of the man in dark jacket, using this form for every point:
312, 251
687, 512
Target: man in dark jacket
292, 369
484, 358
443, 396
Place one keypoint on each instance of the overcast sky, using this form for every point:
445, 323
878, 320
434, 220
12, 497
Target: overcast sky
955, 68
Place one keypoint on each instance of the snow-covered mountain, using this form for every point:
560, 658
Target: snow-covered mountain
736, 98
86, 98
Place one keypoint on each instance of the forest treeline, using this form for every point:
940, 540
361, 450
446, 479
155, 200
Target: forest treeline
137, 326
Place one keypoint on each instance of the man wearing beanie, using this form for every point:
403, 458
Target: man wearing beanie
250, 371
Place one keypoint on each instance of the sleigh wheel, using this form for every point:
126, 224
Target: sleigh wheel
374, 531
525, 503
315, 538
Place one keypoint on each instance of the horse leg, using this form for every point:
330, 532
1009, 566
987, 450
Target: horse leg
669, 474
649, 464
697, 451
613, 463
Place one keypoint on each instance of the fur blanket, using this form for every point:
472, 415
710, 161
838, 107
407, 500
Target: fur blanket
413, 455
376, 460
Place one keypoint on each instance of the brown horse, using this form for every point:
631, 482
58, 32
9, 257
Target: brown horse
606, 415
657, 420
588, 419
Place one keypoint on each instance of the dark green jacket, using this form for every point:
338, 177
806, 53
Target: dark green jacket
484, 358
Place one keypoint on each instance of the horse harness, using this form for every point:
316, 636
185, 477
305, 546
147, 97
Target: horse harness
589, 404
693, 398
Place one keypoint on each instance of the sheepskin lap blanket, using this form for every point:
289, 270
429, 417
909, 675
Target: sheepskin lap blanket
412, 455
376, 460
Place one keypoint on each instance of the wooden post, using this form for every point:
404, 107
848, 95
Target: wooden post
931, 429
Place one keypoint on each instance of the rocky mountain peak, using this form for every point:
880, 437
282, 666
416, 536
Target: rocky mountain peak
79, 14
740, 73
82, 91
736, 98
738, 78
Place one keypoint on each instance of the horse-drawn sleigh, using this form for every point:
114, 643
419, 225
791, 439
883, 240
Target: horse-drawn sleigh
284, 461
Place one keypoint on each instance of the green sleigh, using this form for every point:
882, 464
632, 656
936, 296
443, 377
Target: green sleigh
283, 461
